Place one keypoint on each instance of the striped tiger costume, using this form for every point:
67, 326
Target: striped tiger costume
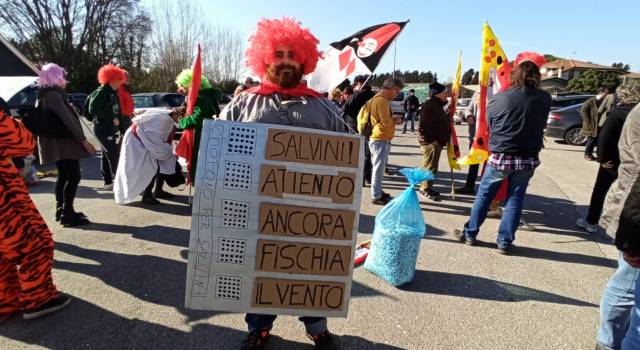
26, 245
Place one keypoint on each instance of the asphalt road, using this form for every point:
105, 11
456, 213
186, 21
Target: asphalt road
126, 272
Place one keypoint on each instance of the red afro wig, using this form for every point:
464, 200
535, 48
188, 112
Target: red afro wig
536, 58
109, 73
286, 31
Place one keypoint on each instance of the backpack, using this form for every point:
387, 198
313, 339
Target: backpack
87, 102
365, 128
45, 122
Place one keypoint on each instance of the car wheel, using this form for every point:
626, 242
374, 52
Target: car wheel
573, 137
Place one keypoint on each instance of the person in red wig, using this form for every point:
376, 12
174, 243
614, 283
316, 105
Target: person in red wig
280, 53
104, 111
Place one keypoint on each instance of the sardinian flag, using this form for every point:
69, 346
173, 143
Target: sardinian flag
359, 53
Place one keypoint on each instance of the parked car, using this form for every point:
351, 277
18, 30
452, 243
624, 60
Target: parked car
559, 102
166, 100
566, 123
77, 99
461, 107
397, 105
24, 101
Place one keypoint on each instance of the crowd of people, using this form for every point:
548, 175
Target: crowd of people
137, 153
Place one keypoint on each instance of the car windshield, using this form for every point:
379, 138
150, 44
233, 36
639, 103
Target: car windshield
142, 101
569, 101
174, 100
26, 96
463, 103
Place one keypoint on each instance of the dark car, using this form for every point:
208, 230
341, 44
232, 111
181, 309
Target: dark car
566, 123
77, 99
167, 100
24, 101
559, 102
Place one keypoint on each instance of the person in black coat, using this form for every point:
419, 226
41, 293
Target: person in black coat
609, 159
351, 108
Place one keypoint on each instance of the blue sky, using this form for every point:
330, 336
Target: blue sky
601, 32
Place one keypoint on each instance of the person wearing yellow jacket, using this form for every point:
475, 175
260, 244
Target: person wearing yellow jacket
384, 129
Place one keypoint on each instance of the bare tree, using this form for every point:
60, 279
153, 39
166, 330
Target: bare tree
80, 35
178, 28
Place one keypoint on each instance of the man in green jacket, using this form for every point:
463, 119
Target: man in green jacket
104, 111
206, 107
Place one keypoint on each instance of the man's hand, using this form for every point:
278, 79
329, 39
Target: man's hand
116, 122
435, 143
633, 260
607, 165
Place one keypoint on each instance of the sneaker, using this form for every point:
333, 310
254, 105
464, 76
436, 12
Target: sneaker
383, 200
58, 213
525, 226
324, 341
162, 194
51, 306
431, 195
255, 340
583, 224
73, 219
107, 187
505, 249
459, 234
464, 190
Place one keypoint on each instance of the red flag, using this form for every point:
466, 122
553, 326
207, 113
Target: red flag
185, 145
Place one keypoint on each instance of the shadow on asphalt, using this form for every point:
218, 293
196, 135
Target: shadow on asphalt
155, 233
88, 326
458, 285
150, 278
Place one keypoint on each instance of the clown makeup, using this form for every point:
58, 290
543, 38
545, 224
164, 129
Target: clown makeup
285, 70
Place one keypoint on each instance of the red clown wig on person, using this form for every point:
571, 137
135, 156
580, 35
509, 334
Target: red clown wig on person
286, 31
109, 73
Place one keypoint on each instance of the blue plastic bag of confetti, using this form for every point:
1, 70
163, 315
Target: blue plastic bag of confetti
398, 232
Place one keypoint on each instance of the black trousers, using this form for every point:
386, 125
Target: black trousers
67, 182
604, 180
472, 175
110, 154
368, 168
592, 142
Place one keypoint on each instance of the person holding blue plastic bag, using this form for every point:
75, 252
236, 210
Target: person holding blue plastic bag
398, 232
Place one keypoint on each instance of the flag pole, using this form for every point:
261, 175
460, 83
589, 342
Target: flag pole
385, 54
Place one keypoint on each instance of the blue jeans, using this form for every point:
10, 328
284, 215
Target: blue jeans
619, 318
379, 156
313, 325
409, 116
489, 186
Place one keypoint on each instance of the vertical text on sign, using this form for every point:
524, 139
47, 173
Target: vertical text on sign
298, 294
277, 180
312, 148
204, 244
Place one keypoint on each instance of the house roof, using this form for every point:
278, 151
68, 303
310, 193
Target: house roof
631, 76
573, 64
13, 63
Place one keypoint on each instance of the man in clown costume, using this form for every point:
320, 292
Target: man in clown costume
280, 53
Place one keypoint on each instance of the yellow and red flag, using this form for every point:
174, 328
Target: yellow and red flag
453, 149
494, 77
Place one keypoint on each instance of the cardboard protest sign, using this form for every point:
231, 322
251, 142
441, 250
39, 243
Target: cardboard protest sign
274, 221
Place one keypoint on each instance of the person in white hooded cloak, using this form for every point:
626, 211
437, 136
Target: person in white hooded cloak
146, 151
